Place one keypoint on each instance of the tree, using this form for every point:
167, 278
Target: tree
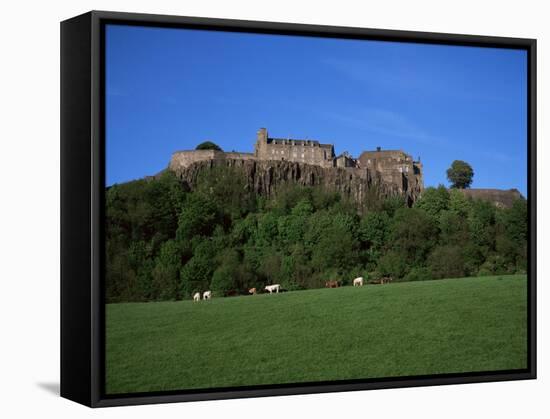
459, 204
198, 217
412, 235
481, 222
460, 174
453, 228
392, 264
434, 200
372, 233
208, 145
446, 262
165, 272
515, 221
196, 274
232, 274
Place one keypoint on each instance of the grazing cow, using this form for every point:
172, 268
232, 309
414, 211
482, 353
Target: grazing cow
332, 284
386, 280
383, 280
252, 291
274, 287
207, 295
197, 296
358, 282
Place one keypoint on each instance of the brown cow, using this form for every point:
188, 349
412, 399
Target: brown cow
383, 280
252, 291
332, 284
386, 280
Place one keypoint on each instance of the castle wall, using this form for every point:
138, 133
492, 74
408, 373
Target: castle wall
307, 154
241, 156
395, 167
301, 151
184, 159
344, 161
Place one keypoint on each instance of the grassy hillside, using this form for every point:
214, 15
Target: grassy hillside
431, 327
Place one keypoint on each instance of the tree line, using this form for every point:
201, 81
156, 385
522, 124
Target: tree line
164, 242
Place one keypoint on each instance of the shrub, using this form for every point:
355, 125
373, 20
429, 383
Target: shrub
208, 145
446, 262
495, 265
419, 274
392, 264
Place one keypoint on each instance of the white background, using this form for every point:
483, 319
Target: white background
29, 209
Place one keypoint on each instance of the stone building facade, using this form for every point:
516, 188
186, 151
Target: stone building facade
301, 151
394, 167
395, 170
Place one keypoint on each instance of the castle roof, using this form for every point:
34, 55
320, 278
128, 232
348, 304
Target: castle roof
292, 141
380, 154
346, 155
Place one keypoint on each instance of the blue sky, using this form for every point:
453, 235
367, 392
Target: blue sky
170, 89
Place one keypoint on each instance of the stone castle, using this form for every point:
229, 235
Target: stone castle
394, 171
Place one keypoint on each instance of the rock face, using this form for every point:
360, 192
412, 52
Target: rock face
501, 198
265, 176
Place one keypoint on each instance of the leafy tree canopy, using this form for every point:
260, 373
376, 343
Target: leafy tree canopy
208, 145
460, 174
434, 200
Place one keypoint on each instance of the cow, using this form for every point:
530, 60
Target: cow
386, 280
252, 291
358, 282
332, 284
197, 296
383, 280
207, 295
274, 287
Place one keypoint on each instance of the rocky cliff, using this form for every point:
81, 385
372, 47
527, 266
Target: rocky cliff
499, 197
265, 176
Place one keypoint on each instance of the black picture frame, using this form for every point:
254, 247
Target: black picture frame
82, 203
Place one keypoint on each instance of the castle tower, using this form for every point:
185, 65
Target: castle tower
260, 148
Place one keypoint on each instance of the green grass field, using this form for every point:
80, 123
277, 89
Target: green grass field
401, 329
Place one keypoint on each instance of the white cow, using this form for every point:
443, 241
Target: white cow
274, 287
197, 296
207, 295
358, 282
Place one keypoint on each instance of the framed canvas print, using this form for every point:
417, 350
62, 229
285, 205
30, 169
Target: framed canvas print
254, 209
